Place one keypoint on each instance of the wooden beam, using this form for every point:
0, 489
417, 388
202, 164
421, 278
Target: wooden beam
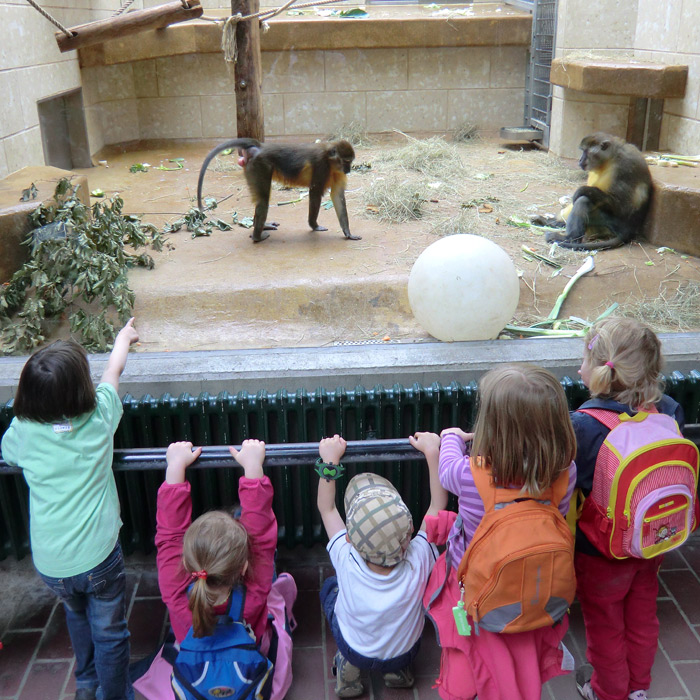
248, 73
129, 23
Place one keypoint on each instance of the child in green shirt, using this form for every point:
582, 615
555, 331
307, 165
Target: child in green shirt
62, 439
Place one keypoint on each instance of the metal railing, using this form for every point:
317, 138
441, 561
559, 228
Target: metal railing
376, 423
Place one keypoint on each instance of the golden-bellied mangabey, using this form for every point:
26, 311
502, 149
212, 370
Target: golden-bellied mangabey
318, 166
610, 209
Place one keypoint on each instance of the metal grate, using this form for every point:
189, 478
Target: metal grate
538, 89
281, 418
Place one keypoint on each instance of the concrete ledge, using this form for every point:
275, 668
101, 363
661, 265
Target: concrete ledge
345, 366
633, 78
674, 217
491, 24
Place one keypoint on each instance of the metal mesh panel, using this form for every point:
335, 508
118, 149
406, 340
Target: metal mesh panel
541, 53
280, 418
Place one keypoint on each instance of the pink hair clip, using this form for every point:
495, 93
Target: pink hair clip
610, 364
200, 574
593, 341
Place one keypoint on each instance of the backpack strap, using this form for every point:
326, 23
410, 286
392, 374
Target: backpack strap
610, 419
236, 603
494, 495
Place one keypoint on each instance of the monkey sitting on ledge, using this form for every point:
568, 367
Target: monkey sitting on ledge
318, 166
610, 209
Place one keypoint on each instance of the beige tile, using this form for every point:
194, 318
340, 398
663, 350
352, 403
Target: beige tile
120, 121
292, 71
169, 117
449, 68
23, 149
89, 79
115, 82
273, 108
194, 74
218, 116
487, 109
145, 80
689, 33
27, 38
94, 125
322, 113
11, 119
680, 135
408, 110
40, 82
366, 69
571, 121
659, 25
580, 25
4, 170
508, 66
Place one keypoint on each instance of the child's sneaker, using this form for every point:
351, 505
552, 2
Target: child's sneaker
402, 678
583, 682
638, 695
347, 678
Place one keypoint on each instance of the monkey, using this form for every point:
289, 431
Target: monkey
318, 166
614, 202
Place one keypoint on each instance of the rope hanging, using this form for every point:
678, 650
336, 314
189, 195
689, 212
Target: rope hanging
228, 38
123, 8
53, 21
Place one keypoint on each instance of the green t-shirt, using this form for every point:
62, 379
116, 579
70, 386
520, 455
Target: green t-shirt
73, 505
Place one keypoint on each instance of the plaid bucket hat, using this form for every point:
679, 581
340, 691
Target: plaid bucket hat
378, 522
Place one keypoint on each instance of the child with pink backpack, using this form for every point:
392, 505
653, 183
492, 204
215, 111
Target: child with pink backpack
639, 477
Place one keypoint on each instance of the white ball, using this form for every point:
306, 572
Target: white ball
463, 287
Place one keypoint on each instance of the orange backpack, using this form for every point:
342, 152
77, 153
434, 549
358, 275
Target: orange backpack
518, 571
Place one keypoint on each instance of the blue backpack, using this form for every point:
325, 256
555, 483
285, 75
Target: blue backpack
226, 664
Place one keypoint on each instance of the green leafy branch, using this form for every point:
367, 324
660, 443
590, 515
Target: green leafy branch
77, 265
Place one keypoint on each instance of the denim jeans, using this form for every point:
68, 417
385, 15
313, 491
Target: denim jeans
95, 604
329, 594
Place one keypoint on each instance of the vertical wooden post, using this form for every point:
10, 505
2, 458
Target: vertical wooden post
248, 72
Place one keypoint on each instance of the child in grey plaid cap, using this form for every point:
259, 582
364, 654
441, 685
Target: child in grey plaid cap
374, 602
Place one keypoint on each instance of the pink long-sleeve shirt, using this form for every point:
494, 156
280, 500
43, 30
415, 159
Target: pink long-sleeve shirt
173, 517
456, 476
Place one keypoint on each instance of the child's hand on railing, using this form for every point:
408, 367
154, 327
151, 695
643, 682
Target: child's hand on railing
332, 449
178, 457
467, 437
427, 443
251, 457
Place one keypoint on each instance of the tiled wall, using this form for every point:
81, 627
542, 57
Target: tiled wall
309, 92
32, 68
669, 32
646, 30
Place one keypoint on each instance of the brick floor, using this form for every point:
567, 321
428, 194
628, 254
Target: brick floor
37, 664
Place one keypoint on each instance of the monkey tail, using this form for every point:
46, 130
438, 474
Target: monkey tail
233, 143
606, 244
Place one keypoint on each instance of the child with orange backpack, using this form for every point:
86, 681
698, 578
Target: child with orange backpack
639, 477
499, 594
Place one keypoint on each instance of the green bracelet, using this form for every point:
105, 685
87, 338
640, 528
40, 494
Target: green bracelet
329, 472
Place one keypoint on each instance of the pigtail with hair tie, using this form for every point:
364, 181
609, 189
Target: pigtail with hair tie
199, 574
610, 364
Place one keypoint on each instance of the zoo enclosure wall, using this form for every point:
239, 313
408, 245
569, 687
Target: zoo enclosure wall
282, 418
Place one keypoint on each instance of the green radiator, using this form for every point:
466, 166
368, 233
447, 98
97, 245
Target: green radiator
282, 417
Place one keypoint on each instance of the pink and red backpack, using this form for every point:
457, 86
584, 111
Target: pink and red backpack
644, 498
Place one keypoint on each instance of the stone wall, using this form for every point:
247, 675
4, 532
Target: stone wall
308, 93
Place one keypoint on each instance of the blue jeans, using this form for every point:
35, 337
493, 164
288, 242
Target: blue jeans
95, 604
329, 594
